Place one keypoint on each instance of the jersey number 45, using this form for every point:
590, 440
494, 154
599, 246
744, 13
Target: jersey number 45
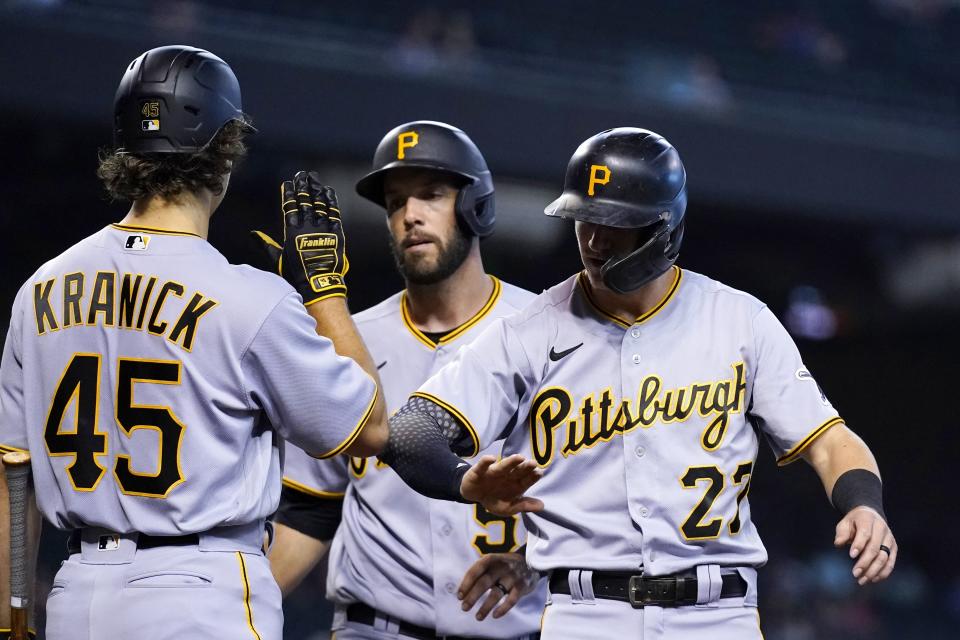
80, 386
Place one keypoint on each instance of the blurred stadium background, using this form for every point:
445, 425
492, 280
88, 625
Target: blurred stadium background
822, 143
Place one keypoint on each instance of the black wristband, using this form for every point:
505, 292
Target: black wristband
858, 488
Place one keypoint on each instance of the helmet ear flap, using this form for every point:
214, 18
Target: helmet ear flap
466, 204
672, 249
474, 212
645, 263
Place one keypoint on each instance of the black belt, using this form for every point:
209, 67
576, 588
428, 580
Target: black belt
639, 590
359, 612
144, 541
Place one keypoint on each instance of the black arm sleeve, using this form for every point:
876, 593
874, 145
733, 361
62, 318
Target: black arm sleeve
310, 515
422, 436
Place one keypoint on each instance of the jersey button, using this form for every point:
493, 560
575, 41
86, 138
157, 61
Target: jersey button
644, 512
635, 333
640, 451
636, 358
446, 530
450, 587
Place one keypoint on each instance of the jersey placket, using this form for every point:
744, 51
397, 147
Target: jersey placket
443, 529
634, 366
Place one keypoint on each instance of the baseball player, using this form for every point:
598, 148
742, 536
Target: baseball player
151, 380
632, 396
398, 559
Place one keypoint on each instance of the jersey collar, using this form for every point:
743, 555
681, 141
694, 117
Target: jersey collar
621, 322
162, 232
453, 334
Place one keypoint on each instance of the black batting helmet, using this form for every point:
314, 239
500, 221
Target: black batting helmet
174, 99
628, 178
434, 145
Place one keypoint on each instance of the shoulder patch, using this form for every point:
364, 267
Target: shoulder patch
804, 374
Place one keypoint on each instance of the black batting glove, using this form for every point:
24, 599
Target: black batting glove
312, 257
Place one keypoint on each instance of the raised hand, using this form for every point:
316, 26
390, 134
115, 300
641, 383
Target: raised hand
499, 485
312, 256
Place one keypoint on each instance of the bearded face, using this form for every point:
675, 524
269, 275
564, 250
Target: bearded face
427, 243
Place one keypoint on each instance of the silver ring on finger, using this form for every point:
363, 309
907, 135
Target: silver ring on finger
885, 549
499, 585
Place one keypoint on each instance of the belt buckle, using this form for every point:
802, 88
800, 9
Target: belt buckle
635, 592
644, 592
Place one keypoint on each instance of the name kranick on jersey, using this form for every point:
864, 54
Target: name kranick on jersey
395, 549
149, 379
646, 431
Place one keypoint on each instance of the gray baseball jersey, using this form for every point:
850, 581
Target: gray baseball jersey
396, 550
149, 379
646, 429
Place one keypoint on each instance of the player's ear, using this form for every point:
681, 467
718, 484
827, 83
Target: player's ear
218, 197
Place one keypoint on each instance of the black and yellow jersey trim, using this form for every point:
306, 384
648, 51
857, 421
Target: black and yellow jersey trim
310, 491
800, 447
356, 430
246, 596
31, 633
456, 414
338, 294
667, 297
453, 334
5, 448
162, 232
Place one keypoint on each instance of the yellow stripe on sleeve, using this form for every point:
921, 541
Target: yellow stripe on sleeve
5, 448
310, 491
800, 447
356, 431
457, 414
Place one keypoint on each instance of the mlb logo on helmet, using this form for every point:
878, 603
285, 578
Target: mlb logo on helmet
150, 110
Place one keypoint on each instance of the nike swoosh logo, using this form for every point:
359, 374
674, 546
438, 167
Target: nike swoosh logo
382, 365
556, 356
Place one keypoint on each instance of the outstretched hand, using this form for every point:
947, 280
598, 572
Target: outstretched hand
499, 485
871, 542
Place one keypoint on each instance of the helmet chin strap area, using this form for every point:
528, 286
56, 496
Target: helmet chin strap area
625, 274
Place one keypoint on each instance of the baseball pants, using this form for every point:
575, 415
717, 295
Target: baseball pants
575, 617
383, 628
110, 589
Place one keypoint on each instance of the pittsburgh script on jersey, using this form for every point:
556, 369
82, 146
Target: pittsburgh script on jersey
599, 418
135, 304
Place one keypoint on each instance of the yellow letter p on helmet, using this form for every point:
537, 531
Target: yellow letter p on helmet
406, 140
599, 174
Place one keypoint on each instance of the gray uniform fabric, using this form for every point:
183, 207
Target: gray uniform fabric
151, 381
396, 550
646, 431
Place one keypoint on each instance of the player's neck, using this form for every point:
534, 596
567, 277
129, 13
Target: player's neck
636, 303
188, 213
451, 302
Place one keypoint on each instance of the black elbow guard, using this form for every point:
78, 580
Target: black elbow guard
858, 488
